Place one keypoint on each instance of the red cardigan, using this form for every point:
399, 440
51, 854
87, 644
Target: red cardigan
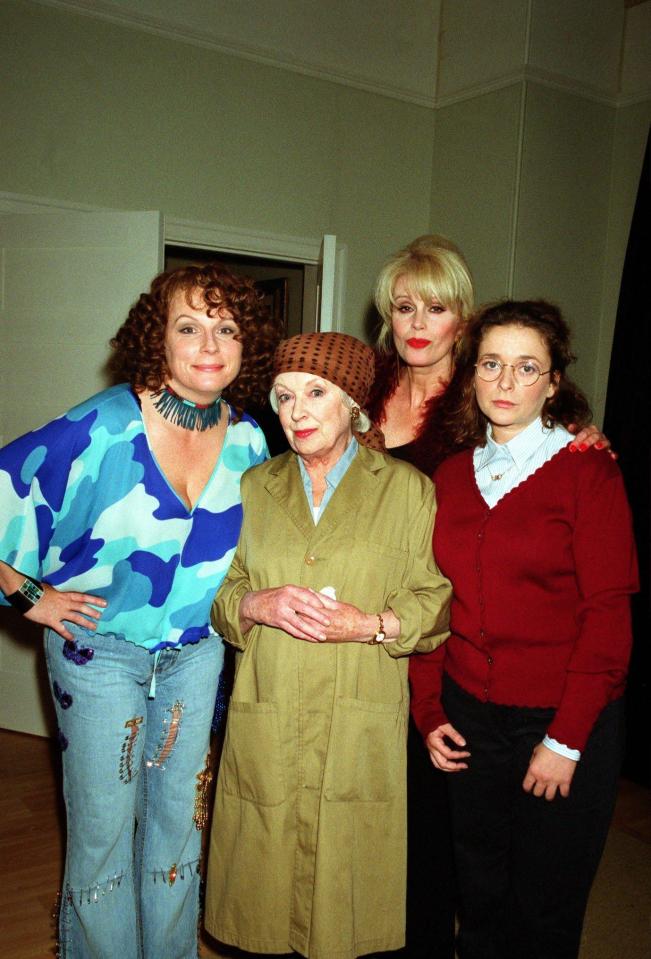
540, 611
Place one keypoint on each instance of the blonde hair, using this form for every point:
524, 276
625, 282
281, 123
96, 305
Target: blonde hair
434, 267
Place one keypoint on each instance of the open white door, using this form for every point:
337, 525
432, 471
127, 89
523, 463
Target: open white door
330, 285
325, 292
68, 280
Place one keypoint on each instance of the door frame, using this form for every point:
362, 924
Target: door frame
190, 233
210, 236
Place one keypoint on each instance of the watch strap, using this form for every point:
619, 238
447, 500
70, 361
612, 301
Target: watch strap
27, 595
379, 636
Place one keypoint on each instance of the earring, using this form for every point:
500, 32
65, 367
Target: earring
354, 413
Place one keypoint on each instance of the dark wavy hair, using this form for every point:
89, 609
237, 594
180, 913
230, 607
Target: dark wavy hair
459, 421
139, 345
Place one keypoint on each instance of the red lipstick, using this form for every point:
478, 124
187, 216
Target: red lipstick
303, 434
418, 344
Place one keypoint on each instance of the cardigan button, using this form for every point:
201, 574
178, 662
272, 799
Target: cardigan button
310, 560
490, 660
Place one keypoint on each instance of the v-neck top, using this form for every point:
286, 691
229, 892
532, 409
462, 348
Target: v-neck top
500, 467
541, 582
85, 506
333, 478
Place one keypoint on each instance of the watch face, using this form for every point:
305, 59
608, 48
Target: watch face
31, 591
380, 637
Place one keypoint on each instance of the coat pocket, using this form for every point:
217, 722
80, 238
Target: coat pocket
366, 754
251, 766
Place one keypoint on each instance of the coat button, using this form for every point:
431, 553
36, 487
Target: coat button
310, 560
490, 660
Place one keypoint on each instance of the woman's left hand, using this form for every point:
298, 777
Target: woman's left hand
348, 624
587, 437
548, 772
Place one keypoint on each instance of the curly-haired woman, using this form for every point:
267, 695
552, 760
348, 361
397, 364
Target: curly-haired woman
522, 707
118, 522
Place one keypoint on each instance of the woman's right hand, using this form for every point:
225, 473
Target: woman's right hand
55, 606
294, 609
443, 757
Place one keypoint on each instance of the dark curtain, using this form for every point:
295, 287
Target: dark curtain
626, 424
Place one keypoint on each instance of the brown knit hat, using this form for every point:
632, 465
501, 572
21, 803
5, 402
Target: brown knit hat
342, 359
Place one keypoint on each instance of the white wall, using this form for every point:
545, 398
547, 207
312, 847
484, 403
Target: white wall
517, 127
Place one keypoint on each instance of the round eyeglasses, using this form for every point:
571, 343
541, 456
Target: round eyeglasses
525, 373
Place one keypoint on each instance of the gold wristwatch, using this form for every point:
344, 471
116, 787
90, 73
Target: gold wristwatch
379, 636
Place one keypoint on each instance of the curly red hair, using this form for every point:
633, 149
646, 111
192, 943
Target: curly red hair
139, 345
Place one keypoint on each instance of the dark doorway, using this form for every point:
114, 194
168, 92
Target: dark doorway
626, 423
289, 288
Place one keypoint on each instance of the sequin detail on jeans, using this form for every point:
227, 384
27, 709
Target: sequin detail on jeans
171, 727
63, 698
204, 778
95, 892
169, 876
78, 654
129, 741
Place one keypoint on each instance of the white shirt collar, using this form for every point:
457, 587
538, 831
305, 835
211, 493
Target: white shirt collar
519, 449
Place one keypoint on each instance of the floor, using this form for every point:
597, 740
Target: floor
618, 924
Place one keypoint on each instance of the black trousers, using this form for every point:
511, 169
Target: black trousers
431, 888
525, 865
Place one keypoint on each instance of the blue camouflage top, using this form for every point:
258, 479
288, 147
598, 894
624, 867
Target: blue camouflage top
84, 506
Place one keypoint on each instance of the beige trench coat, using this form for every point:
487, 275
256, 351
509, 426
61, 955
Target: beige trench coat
308, 844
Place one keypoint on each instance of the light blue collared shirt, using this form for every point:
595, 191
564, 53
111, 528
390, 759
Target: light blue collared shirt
516, 460
513, 463
333, 479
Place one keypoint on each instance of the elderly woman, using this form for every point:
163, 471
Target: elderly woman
523, 708
117, 523
332, 586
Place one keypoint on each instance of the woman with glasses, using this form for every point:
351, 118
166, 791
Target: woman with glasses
424, 296
523, 705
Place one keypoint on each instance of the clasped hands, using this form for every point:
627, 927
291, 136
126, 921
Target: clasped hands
306, 614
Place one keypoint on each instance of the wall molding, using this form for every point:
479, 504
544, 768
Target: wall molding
215, 236
544, 78
104, 10
190, 233
101, 10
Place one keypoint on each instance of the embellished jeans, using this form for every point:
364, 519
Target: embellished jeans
135, 778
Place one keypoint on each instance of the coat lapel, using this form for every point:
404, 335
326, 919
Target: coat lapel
284, 484
355, 489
